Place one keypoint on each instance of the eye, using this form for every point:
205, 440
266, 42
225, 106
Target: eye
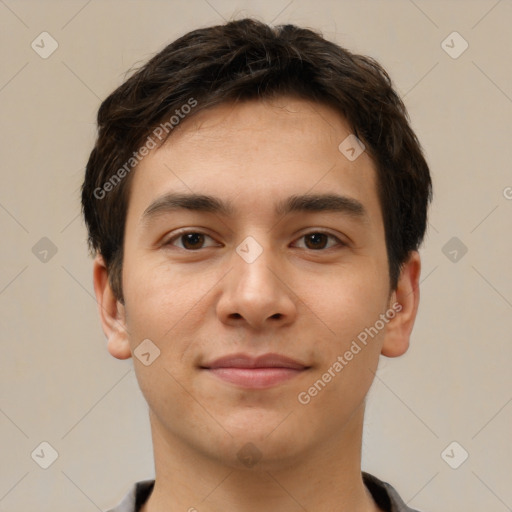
190, 240
195, 240
318, 240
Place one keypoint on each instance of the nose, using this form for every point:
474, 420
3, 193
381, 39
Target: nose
256, 294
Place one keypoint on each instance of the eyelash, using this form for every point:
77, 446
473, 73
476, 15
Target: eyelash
177, 236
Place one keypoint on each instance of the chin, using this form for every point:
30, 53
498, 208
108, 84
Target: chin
263, 446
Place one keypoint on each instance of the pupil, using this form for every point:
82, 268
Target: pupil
318, 240
193, 240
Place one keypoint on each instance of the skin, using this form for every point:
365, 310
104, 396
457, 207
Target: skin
295, 299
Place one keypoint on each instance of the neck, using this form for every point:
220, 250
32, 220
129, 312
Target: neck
325, 478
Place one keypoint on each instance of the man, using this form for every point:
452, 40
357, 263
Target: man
255, 200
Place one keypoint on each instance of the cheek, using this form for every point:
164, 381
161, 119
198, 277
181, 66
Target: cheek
174, 310
350, 306
348, 350
347, 300
162, 306
159, 297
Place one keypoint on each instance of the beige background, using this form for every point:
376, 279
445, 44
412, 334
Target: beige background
58, 383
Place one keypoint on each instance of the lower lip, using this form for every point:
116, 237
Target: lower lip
255, 378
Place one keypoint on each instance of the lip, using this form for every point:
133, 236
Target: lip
251, 372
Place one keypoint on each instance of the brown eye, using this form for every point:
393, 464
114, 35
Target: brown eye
316, 240
191, 241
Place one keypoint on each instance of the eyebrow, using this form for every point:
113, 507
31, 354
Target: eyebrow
297, 203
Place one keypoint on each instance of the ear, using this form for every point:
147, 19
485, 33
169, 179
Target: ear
404, 301
112, 313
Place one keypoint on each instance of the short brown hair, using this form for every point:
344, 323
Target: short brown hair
247, 59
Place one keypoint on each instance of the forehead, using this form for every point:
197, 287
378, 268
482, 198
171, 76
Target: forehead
278, 122
258, 151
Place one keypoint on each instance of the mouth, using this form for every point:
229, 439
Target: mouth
250, 372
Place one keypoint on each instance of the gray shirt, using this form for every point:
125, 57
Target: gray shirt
383, 493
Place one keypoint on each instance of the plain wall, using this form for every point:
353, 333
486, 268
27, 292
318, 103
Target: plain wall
58, 382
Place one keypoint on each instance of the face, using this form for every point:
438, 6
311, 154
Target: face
251, 237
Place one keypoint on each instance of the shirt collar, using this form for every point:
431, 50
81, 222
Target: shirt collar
383, 493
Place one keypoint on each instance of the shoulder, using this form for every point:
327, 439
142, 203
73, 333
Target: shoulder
137, 496
385, 495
